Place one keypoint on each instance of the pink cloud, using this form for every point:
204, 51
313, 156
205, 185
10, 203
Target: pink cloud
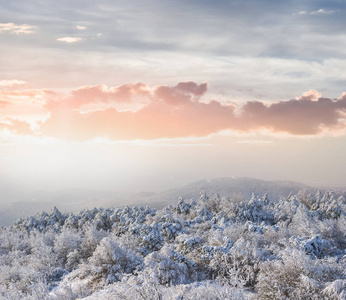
343, 96
171, 112
17, 127
98, 94
4, 103
180, 111
13, 95
311, 95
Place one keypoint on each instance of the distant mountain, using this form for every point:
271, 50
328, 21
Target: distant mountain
224, 187
75, 200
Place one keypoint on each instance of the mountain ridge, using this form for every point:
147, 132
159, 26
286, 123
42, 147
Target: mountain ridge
224, 187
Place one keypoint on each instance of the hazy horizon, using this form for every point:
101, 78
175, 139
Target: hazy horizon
23, 203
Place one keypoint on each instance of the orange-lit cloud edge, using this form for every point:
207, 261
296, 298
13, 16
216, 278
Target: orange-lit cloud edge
137, 111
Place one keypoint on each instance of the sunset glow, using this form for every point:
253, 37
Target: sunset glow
137, 95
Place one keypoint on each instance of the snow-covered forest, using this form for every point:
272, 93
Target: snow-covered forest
207, 248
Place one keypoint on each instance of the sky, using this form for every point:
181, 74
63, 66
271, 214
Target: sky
149, 95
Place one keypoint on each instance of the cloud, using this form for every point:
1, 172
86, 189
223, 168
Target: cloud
17, 29
99, 94
322, 11
13, 82
255, 142
4, 103
296, 117
17, 127
184, 91
343, 96
317, 12
179, 111
311, 95
170, 112
69, 39
79, 27
31, 95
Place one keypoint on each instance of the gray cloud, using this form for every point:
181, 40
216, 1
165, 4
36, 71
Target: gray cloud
228, 43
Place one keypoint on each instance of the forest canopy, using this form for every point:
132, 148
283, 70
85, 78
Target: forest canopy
208, 248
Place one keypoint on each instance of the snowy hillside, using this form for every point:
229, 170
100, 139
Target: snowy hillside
207, 248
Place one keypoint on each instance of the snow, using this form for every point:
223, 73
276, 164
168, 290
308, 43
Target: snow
211, 247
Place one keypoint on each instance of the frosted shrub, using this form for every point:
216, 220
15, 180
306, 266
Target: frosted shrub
297, 276
285, 209
171, 230
189, 244
11, 240
130, 241
110, 260
208, 252
63, 293
65, 243
340, 232
130, 288
20, 274
309, 201
182, 208
246, 256
102, 220
89, 241
16, 278
235, 231
42, 221
42, 258
130, 220
151, 290
335, 290
330, 206
108, 264
207, 290
303, 222
213, 204
167, 266
255, 210
151, 238
279, 279
314, 246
